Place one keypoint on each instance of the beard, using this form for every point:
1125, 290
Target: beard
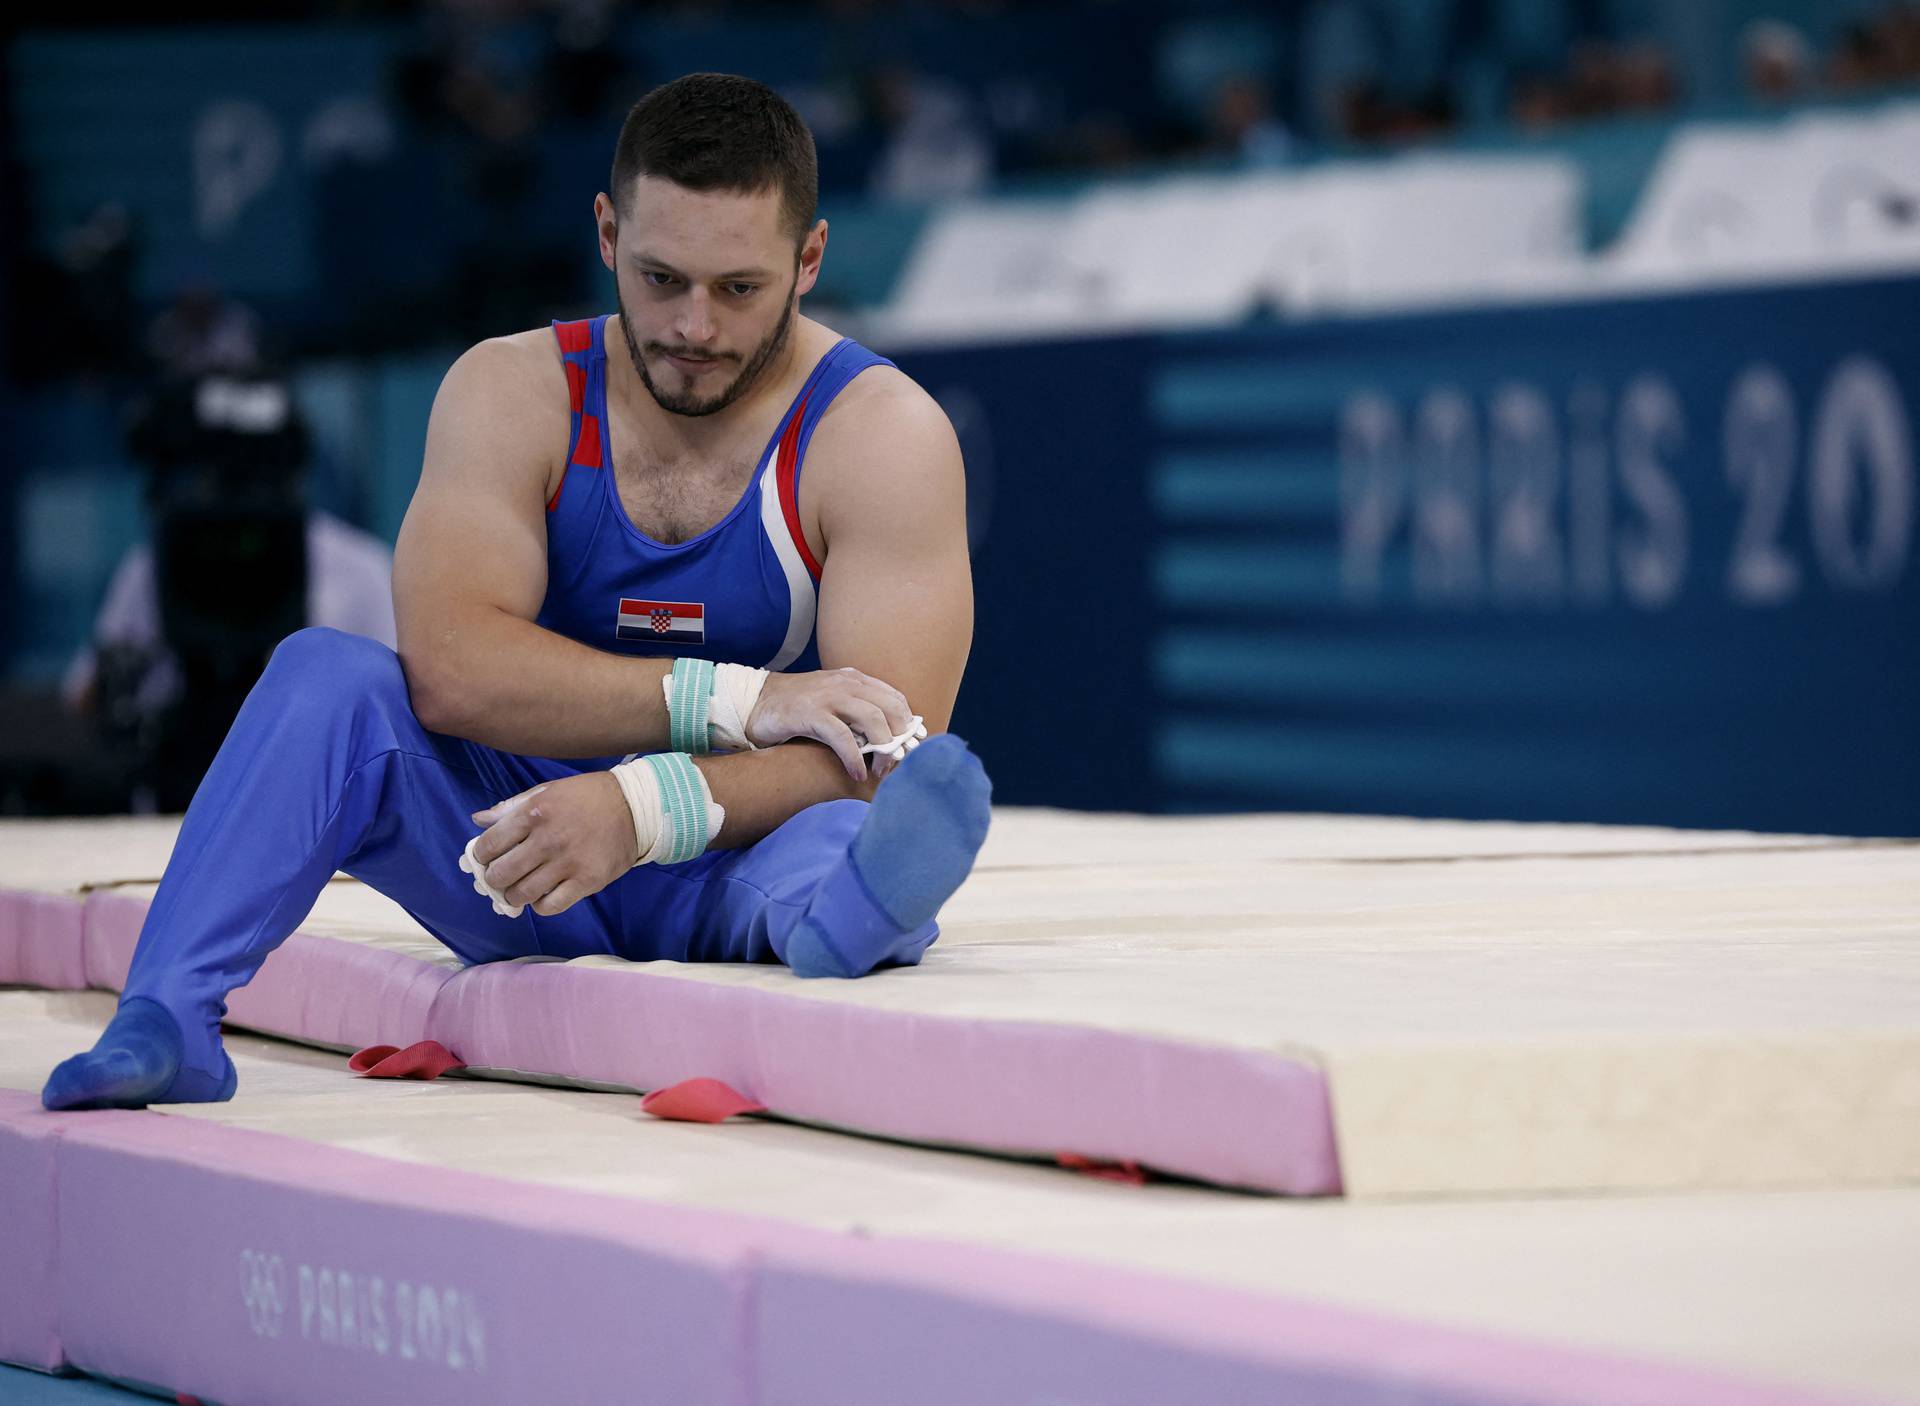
691, 403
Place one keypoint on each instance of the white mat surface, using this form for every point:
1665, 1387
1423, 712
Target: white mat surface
1497, 1007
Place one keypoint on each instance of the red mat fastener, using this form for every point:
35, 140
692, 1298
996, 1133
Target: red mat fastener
428, 1059
1132, 1173
699, 1101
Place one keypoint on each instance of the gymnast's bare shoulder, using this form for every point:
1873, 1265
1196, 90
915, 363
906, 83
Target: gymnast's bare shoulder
890, 505
495, 444
884, 459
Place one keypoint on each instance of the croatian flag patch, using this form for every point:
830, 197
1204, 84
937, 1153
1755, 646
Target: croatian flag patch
667, 621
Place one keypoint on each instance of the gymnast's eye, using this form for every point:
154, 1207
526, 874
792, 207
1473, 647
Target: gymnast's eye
653, 278
741, 290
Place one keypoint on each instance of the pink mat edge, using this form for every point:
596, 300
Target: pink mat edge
969, 1083
1283, 1329
42, 940
29, 1238
1181, 1315
1196, 1131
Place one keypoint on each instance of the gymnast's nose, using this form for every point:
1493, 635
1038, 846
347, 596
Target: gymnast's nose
695, 325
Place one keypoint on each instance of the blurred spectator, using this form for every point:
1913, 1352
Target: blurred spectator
1859, 62
1603, 78
203, 330
1242, 124
465, 73
352, 128
1643, 80
935, 144
77, 309
237, 561
1537, 102
1878, 50
1897, 32
583, 64
1370, 115
487, 78
1776, 60
98, 256
1102, 141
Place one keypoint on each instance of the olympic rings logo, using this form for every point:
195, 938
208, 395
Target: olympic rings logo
263, 1290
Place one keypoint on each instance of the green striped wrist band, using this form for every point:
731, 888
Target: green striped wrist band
683, 807
689, 702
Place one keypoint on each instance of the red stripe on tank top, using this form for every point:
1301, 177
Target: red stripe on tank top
586, 453
787, 478
575, 338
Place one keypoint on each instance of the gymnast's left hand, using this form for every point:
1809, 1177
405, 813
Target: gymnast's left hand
558, 843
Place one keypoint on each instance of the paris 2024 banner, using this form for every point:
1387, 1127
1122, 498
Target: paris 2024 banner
1641, 560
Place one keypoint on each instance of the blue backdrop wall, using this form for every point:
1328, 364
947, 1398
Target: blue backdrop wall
1642, 560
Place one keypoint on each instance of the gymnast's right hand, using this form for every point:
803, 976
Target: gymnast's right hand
843, 708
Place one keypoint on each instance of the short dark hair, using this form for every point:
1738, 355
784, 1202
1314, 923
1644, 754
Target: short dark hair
718, 131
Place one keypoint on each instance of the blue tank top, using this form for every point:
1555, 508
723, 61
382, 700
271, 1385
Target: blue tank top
742, 592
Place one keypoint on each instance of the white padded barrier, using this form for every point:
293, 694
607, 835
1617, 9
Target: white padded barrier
1209, 251
1822, 193
1408, 231
1863, 192
1177, 253
985, 267
1422, 231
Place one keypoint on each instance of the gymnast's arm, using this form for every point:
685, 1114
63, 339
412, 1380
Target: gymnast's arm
470, 573
896, 587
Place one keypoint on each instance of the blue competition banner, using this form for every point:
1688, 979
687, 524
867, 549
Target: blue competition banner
1057, 697
1644, 560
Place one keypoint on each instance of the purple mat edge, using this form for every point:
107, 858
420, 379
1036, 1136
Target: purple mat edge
1231, 1117
222, 1261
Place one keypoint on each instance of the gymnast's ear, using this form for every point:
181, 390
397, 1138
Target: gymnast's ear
812, 249
606, 219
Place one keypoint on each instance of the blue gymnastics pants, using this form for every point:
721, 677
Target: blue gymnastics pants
326, 768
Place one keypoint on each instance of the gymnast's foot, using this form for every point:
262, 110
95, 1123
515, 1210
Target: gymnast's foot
134, 1062
913, 849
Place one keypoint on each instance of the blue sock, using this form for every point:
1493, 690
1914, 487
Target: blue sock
914, 847
131, 1065
928, 821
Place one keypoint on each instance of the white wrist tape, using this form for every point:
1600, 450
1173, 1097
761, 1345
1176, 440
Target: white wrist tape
729, 701
736, 689
642, 793
674, 814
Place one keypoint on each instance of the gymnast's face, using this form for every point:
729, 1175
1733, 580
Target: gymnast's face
707, 283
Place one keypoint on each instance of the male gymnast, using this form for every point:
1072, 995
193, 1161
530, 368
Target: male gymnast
613, 557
